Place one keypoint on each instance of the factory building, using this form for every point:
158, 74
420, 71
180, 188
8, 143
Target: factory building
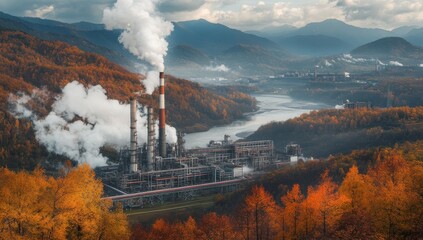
159, 172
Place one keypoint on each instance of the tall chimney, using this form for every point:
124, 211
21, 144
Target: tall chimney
133, 166
150, 139
315, 72
162, 118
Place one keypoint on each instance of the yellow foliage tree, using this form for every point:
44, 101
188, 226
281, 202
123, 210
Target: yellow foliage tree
262, 209
34, 206
292, 211
397, 207
327, 205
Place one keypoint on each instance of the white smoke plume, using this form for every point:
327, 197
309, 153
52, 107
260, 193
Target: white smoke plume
327, 63
82, 120
340, 106
18, 103
220, 68
246, 170
421, 65
380, 62
144, 30
395, 63
350, 59
151, 81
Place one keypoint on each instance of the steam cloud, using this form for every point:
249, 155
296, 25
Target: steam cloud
151, 81
81, 121
246, 170
220, 68
327, 63
395, 63
144, 31
339, 106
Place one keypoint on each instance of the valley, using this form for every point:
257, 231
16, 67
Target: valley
271, 107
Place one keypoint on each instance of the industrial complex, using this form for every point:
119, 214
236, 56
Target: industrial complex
156, 173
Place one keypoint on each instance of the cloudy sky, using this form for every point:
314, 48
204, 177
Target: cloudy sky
241, 14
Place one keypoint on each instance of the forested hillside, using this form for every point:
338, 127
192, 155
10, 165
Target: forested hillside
369, 194
405, 87
325, 132
27, 63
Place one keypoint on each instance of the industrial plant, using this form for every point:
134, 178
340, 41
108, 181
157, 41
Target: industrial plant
156, 173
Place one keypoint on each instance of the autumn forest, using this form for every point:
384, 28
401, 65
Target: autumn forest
386, 202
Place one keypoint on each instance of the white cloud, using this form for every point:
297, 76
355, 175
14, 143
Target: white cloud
243, 14
247, 15
179, 5
421, 65
40, 12
382, 13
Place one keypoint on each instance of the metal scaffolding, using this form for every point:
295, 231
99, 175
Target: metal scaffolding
216, 168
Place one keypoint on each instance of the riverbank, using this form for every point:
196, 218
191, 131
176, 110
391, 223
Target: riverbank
271, 107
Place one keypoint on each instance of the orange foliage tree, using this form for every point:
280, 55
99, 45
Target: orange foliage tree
260, 215
397, 207
292, 202
34, 206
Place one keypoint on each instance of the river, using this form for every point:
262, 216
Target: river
272, 107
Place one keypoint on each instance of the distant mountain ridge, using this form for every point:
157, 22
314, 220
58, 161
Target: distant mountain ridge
87, 36
213, 38
310, 39
183, 54
314, 45
415, 36
389, 47
196, 46
198, 39
347, 33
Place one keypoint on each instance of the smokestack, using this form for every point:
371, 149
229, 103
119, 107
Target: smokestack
133, 166
315, 72
150, 139
162, 118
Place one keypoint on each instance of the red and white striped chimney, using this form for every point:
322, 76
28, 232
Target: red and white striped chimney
162, 118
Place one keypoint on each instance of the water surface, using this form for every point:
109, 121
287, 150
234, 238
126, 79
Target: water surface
272, 107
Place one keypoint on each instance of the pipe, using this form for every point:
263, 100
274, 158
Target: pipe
133, 166
162, 118
150, 139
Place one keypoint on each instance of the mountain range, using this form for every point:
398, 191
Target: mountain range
199, 48
324, 34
